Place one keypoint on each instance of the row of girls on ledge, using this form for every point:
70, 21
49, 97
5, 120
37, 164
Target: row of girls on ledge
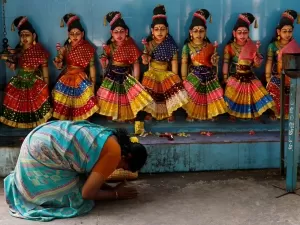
121, 96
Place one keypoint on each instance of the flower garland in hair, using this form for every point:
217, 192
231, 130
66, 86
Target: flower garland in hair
134, 140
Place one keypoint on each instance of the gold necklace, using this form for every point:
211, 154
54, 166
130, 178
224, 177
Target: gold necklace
198, 47
237, 48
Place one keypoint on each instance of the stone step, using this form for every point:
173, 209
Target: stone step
197, 152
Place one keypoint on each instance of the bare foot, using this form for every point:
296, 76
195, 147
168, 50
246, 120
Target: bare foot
257, 119
131, 121
148, 117
190, 119
171, 119
273, 117
109, 119
120, 121
232, 119
214, 119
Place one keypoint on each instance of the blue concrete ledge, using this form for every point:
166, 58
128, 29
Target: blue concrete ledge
221, 151
230, 147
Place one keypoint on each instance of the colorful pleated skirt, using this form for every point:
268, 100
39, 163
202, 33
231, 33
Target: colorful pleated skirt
273, 87
205, 94
73, 96
166, 88
246, 97
26, 101
121, 96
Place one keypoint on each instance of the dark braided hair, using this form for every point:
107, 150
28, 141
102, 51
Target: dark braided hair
137, 151
124, 140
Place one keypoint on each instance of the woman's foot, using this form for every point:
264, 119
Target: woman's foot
232, 118
214, 119
189, 119
273, 117
131, 121
171, 119
109, 119
148, 118
257, 119
120, 121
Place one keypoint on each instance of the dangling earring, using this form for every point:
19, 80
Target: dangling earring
112, 39
234, 39
69, 40
21, 43
278, 37
126, 37
191, 38
34, 42
153, 36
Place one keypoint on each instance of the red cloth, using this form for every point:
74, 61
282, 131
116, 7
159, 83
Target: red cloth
33, 57
81, 54
126, 53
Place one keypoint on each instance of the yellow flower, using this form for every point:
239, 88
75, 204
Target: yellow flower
134, 139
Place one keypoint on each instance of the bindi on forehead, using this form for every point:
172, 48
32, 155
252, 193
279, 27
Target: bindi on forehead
242, 30
119, 30
160, 26
25, 32
198, 28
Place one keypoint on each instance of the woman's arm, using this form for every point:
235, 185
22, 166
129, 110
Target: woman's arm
58, 60
269, 64
92, 188
136, 70
93, 72
226, 63
184, 62
174, 63
108, 162
45, 71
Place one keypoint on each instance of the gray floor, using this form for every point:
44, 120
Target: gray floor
216, 198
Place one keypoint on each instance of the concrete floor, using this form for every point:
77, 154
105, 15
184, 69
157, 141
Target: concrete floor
208, 198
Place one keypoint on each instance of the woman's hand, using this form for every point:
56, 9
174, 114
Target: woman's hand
125, 192
58, 63
214, 59
11, 66
104, 62
146, 59
258, 59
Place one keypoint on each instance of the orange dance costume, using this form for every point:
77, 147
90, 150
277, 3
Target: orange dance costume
26, 98
121, 96
245, 95
73, 94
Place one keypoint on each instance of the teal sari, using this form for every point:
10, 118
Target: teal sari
51, 170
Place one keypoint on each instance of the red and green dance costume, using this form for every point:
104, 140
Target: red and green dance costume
26, 101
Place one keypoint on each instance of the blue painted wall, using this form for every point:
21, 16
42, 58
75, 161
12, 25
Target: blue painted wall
46, 15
